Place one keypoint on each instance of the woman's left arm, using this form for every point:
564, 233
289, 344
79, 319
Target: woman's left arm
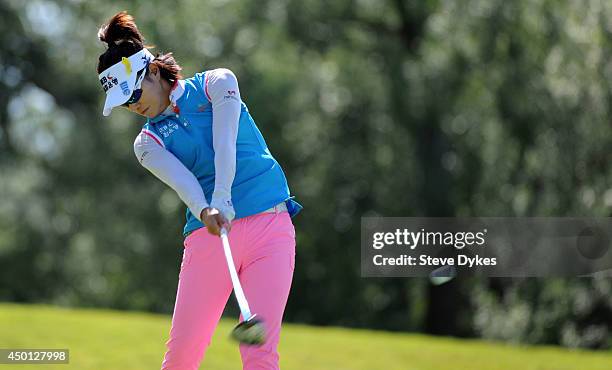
222, 91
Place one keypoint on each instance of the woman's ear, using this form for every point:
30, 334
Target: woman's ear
154, 72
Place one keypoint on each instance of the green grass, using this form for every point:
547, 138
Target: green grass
105, 340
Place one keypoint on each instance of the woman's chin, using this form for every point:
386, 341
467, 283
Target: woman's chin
152, 113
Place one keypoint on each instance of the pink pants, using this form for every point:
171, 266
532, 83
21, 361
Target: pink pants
263, 248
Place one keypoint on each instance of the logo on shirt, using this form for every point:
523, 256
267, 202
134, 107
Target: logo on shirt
167, 129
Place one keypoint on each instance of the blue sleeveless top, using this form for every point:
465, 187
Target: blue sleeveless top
259, 182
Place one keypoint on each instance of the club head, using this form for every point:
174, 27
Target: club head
251, 332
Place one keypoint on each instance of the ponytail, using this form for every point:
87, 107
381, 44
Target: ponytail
123, 38
119, 29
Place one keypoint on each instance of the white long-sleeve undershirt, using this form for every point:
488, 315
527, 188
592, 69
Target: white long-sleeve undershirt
222, 90
166, 167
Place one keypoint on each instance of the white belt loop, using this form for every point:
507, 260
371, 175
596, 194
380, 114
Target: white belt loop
281, 207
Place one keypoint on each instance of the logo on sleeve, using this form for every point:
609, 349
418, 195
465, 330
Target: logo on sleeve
231, 94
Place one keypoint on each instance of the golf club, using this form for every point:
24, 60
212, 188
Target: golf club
251, 330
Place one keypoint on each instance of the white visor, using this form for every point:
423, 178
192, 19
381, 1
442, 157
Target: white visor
120, 80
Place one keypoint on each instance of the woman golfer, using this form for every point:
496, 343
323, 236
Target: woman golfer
200, 139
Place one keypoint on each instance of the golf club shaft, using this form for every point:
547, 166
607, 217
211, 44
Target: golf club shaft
242, 302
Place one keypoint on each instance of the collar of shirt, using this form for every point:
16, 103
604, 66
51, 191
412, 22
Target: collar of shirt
168, 111
175, 94
177, 91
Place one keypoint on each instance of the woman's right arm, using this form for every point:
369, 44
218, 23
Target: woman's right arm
165, 166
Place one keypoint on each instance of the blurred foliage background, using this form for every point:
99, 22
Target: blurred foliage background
372, 107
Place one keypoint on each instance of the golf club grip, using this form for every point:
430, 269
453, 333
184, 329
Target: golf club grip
240, 297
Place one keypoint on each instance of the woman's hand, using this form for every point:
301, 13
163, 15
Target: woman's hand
214, 221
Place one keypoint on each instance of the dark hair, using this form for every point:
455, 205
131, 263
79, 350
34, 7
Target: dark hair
124, 39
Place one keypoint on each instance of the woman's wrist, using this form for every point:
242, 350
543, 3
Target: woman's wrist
222, 201
215, 220
207, 212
